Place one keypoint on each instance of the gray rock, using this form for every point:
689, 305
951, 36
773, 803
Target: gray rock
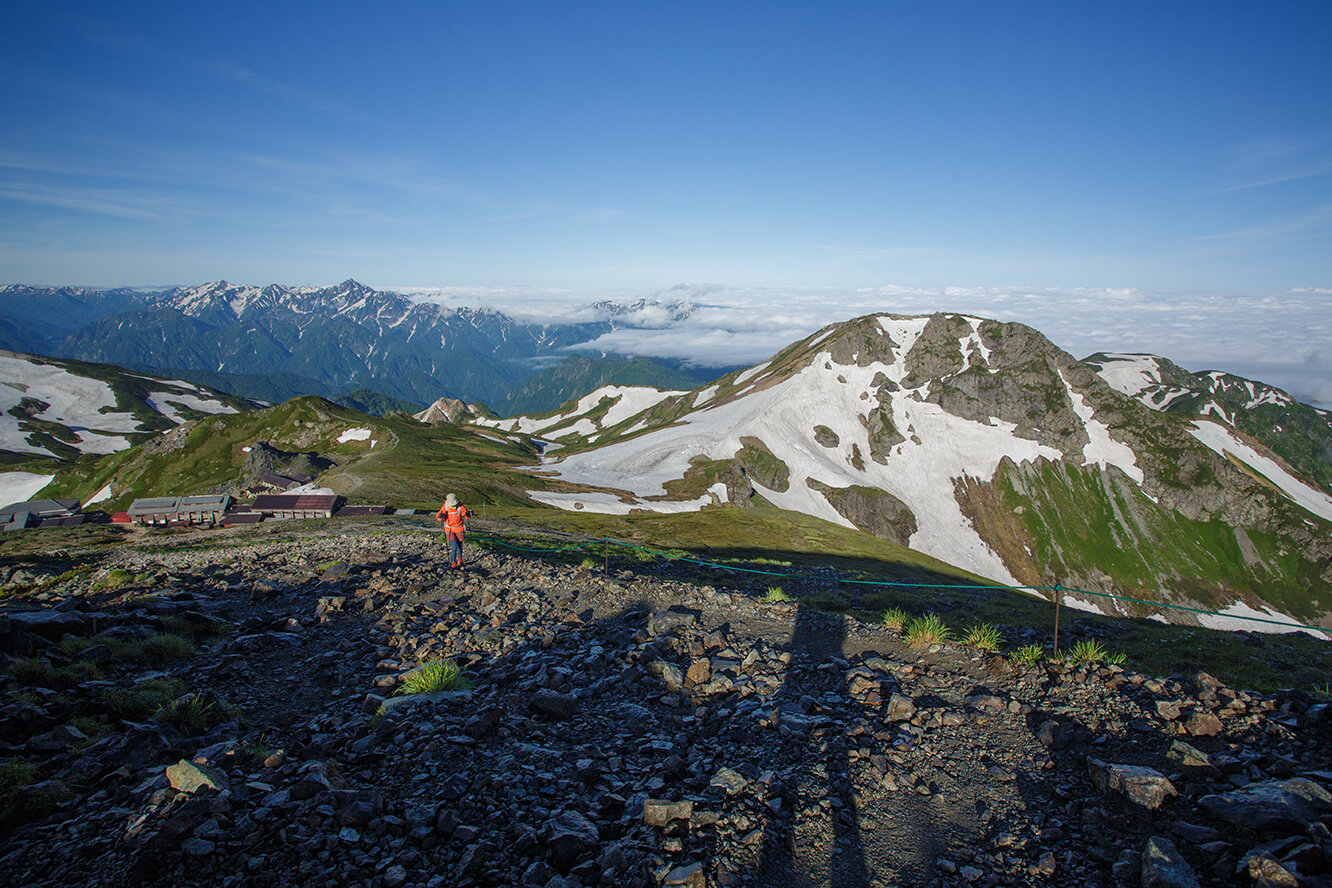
690, 875
571, 838
1289, 805
671, 676
900, 708
1144, 787
1265, 872
670, 621
729, 781
195, 847
553, 704
1163, 867
1203, 724
1190, 756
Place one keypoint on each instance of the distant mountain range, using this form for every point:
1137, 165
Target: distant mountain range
277, 342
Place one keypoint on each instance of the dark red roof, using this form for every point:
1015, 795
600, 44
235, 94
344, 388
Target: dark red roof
285, 502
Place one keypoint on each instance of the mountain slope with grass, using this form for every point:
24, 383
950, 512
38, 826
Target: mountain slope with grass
976, 442
392, 459
59, 409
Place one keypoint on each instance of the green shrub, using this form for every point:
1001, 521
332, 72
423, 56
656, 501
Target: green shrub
926, 630
776, 594
436, 675
896, 618
163, 648
1028, 654
113, 579
984, 637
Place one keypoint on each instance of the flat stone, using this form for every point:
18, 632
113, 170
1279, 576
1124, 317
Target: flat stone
1189, 756
1145, 787
659, 813
729, 781
571, 838
1163, 867
1203, 724
700, 671
186, 776
553, 704
689, 875
196, 847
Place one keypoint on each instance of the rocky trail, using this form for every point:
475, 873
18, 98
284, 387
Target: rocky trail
621, 729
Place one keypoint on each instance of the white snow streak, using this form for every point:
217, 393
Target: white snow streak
100, 496
354, 435
1130, 374
165, 404
1101, 449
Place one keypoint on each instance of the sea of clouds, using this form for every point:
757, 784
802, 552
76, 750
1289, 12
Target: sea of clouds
1279, 337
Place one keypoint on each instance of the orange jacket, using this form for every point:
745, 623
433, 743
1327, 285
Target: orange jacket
453, 518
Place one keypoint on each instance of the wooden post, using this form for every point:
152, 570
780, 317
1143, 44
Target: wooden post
1057, 596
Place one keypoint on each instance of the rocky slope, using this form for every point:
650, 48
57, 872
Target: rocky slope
627, 729
986, 446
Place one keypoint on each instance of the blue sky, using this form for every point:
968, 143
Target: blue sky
1153, 177
1167, 147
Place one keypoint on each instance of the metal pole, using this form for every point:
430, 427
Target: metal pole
1057, 596
605, 557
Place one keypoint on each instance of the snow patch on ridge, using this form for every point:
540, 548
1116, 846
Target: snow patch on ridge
1101, 449
1130, 374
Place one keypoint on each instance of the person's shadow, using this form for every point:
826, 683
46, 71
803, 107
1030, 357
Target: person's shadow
802, 846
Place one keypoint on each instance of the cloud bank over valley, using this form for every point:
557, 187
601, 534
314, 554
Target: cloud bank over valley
1280, 337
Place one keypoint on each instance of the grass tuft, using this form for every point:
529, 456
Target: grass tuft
1028, 654
1087, 650
776, 594
984, 636
193, 714
435, 676
896, 618
927, 630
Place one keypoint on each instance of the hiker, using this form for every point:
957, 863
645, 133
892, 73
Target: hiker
454, 516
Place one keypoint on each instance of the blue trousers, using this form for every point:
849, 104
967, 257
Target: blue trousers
455, 546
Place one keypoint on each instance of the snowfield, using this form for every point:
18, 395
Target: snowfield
354, 435
1223, 441
1239, 609
609, 504
1130, 374
84, 405
19, 487
166, 403
1101, 449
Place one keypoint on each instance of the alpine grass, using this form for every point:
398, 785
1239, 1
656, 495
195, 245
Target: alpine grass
895, 618
434, 676
929, 629
984, 636
775, 594
1028, 654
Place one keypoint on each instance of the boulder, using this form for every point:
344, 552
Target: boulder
1163, 867
1145, 787
1276, 805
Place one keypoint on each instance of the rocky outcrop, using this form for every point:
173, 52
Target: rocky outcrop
446, 411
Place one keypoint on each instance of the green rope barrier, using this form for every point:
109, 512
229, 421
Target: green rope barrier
1057, 588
